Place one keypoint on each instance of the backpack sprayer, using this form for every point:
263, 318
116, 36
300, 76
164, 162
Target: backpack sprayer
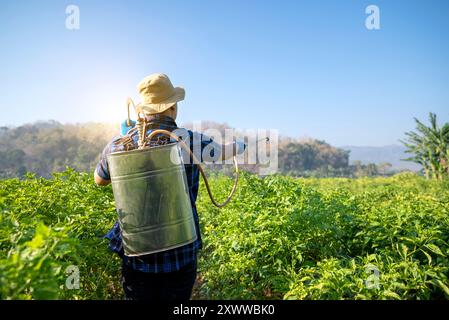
151, 191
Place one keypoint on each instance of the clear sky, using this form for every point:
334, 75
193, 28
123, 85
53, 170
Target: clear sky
307, 68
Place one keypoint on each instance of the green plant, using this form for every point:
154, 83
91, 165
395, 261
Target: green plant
430, 147
279, 238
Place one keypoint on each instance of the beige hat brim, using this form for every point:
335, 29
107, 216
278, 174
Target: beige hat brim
154, 108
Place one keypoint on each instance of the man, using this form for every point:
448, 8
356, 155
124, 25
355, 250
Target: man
167, 275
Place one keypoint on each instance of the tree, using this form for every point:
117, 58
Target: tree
384, 167
430, 147
312, 157
12, 163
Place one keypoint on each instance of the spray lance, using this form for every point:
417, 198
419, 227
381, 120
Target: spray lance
151, 191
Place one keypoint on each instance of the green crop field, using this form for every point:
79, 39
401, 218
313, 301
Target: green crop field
280, 238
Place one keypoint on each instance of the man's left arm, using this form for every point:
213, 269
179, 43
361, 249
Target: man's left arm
101, 174
99, 180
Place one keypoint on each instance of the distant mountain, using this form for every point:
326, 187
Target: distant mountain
392, 154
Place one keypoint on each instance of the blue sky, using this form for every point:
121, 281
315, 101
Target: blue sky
307, 68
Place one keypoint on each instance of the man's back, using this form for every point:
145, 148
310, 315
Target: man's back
166, 275
171, 260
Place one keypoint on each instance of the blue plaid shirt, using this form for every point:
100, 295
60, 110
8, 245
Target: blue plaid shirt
170, 260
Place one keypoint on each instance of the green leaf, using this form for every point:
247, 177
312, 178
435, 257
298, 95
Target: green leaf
428, 256
392, 294
435, 249
443, 286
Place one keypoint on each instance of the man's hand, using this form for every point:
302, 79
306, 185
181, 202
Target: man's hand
99, 180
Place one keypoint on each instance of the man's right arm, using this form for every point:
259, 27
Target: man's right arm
210, 148
232, 149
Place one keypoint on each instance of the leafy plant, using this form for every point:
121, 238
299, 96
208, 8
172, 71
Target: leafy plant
430, 147
280, 238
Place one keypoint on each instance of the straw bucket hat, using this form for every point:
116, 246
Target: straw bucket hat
158, 94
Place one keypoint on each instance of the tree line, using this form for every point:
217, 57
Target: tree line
46, 147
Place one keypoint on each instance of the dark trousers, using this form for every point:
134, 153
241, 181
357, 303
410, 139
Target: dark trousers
173, 286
